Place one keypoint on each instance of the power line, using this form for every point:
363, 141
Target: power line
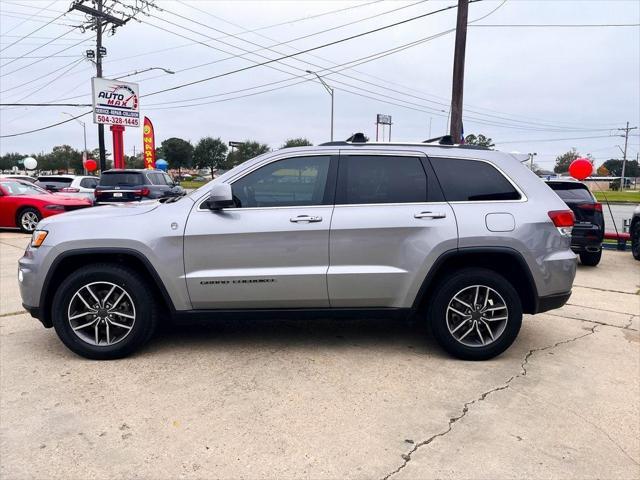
494, 122
335, 42
42, 59
38, 78
46, 127
36, 49
556, 139
557, 25
31, 33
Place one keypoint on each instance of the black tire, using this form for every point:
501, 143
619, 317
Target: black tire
591, 259
23, 215
635, 240
142, 299
457, 282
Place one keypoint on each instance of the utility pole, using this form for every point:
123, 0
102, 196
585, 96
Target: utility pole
627, 129
457, 88
330, 92
103, 153
100, 20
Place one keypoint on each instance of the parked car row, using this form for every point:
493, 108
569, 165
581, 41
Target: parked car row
24, 200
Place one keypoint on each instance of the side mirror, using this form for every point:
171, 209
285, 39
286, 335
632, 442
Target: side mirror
220, 196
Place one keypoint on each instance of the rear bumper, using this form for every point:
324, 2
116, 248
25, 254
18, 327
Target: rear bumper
551, 302
587, 238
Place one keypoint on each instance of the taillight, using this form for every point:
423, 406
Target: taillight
592, 207
144, 192
563, 220
70, 190
96, 192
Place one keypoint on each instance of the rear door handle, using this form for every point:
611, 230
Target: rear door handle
305, 219
430, 215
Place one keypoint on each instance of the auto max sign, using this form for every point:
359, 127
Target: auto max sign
115, 102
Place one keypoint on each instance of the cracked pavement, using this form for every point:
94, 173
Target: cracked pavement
320, 399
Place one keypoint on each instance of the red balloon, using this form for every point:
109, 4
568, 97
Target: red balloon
90, 164
580, 168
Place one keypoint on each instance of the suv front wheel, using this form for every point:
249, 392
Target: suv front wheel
475, 314
104, 311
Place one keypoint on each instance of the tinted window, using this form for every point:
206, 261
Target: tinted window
156, 178
167, 179
89, 182
54, 183
290, 182
472, 180
121, 178
571, 192
381, 179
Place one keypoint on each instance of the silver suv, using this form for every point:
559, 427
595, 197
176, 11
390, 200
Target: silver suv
466, 239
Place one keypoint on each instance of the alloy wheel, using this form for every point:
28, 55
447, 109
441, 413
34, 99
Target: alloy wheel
29, 220
101, 313
477, 316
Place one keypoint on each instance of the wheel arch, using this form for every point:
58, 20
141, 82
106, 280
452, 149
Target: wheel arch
22, 208
503, 260
72, 260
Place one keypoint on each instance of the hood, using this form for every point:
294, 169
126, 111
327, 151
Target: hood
103, 212
55, 199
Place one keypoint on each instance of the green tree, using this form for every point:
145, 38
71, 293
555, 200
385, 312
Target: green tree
563, 161
479, 140
244, 152
615, 168
297, 142
10, 160
210, 153
134, 161
62, 157
178, 153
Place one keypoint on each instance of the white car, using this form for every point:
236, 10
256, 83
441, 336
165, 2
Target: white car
71, 185
17, 176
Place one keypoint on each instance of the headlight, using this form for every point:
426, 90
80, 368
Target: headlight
59, 208
38, 237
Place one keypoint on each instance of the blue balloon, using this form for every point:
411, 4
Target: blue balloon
162, 164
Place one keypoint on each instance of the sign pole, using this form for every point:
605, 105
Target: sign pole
118, 145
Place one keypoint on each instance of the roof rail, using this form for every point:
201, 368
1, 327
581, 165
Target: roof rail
445, 140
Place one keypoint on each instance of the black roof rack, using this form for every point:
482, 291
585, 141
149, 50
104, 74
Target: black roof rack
445, 140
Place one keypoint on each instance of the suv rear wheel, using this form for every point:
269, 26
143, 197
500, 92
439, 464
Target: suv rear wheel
635, 239
475, 314
104, 311
591, 259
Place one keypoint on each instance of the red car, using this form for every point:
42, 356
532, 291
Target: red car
23, 204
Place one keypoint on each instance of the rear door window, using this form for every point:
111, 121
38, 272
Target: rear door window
367, 179
472, 181
119, 179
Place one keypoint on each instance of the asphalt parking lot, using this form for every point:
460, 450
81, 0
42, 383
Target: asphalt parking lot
339, 399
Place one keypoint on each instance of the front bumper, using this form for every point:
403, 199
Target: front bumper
551, 302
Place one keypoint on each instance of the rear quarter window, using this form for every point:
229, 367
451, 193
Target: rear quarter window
472, 181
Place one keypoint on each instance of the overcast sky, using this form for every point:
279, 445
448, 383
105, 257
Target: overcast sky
522, 85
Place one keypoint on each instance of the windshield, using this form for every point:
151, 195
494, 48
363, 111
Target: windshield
15, 187
121, 178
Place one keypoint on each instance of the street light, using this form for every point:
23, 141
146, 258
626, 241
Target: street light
330, 90
165, 70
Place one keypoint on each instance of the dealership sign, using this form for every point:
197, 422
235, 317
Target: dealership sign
115, 102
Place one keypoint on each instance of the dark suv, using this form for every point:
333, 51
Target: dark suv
588, 231
130, 185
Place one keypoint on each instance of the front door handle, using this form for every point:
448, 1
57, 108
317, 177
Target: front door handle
430, 215
305, 219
